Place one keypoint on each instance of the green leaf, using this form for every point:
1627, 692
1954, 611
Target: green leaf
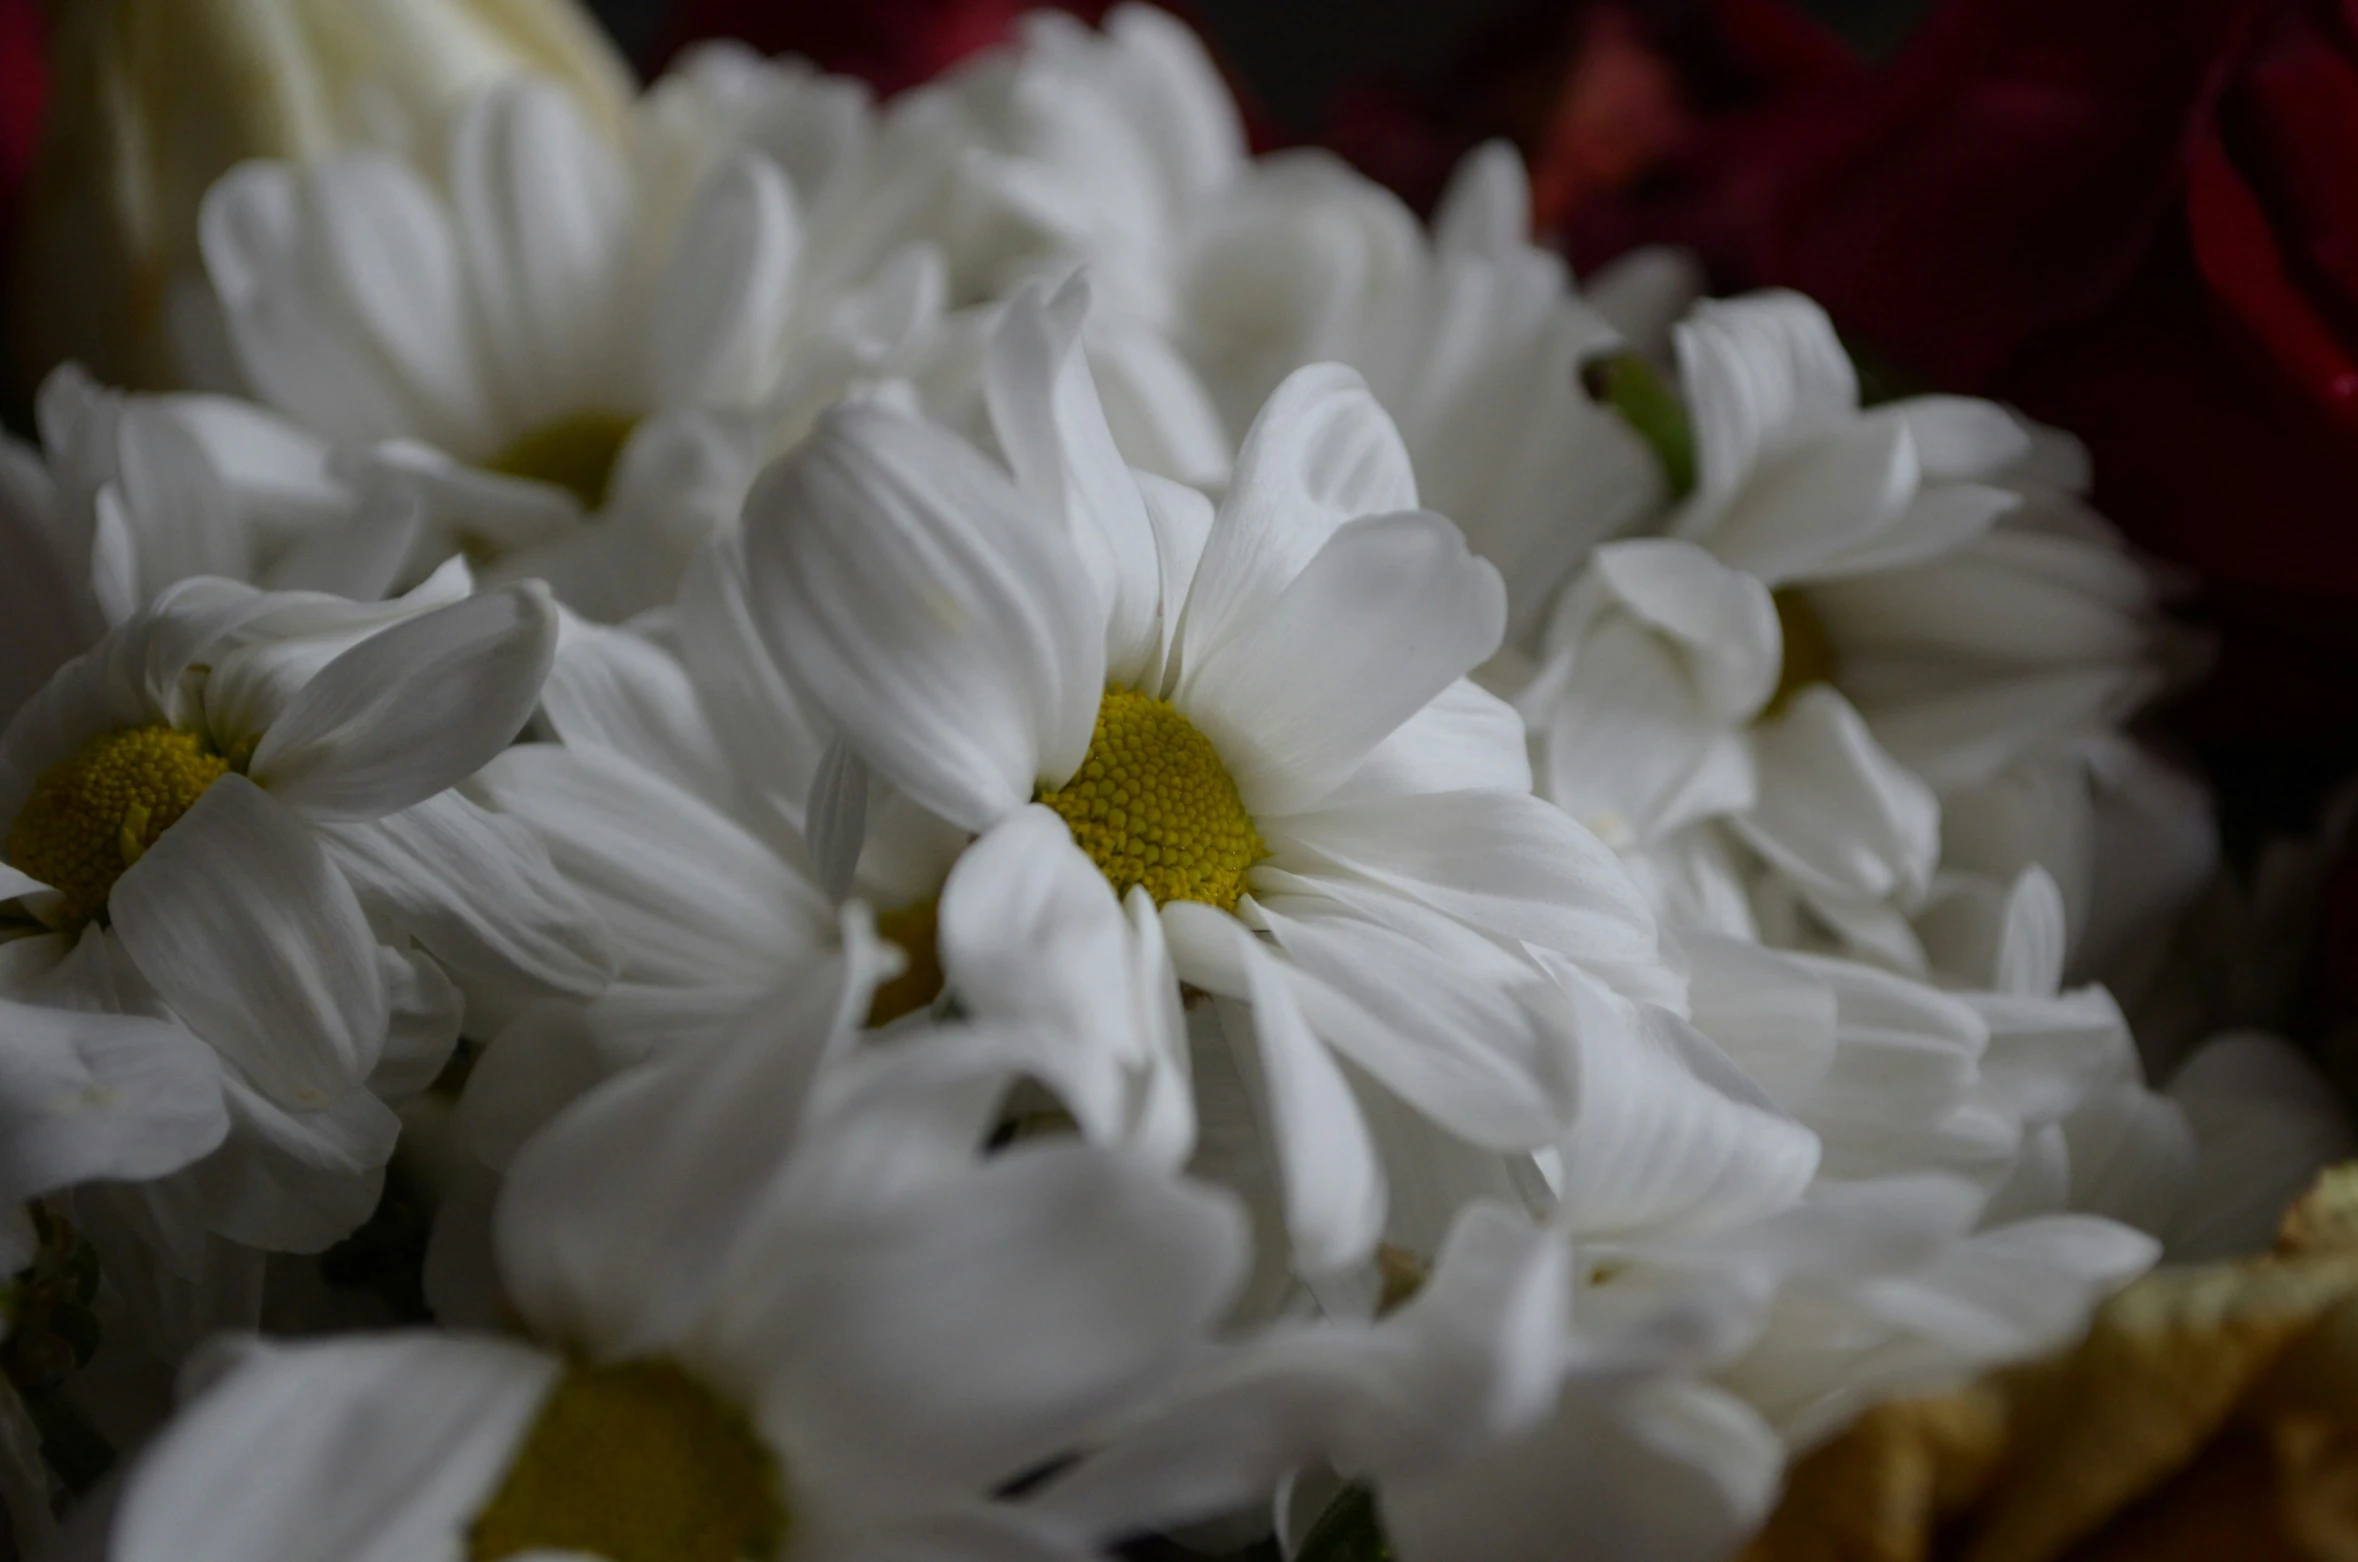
1349, 1530
1649, 404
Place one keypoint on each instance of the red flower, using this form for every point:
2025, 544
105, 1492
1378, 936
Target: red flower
23, 91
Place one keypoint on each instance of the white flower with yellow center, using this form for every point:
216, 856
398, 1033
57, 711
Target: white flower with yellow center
1257, 716
677, 836
776, 1306
229, 814
1855, 612
130, 494
544, 330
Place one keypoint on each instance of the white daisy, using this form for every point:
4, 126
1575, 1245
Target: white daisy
1259, 716
227, 815
1471, 337
1838, 630
773, 1310
130, 494
547, 331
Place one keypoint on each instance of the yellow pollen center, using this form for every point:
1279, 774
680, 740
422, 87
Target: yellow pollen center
1809, 651
94, 815
576, 454
635, 1463
1153, 805
913, 929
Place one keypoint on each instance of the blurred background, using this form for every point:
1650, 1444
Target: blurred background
1295, 54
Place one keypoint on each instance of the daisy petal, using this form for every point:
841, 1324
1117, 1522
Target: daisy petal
1334, 1190
248, 931
1081, 1279
412, 709
367, 1450
542, 210
946, 628
113, 1096
1320, 453
1390, 612
720, 323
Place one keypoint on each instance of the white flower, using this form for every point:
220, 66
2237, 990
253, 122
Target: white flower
1854, 614
1472, 338
131, 494
220, 817
155, 99
717, 914
774, 1310
1257, 715
547, 330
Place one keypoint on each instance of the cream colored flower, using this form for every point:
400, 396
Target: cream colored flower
155, 99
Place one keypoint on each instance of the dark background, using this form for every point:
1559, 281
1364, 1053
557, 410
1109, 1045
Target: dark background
1293, 52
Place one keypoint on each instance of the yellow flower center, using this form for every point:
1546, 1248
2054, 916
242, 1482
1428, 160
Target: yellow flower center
1809, 650
1153, 805
635, 1463
94, 815
913, 928
576, 454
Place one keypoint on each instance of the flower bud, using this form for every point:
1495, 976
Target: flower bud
152, 100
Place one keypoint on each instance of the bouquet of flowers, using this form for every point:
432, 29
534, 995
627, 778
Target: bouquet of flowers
745, 824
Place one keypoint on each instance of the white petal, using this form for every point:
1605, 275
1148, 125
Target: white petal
479, 892
173, 503
1372, 628
1334, 1190
1655, 1149
1464, 1032
542, 211
688, 896
249, 932
720, 310
413, 709
1081, 1279
948, 631
1960, 438
1678, 1472
2265, 1124
1467, 738
1031, 937
296, 1182
88, 1096
1476, 1354
1503, 862
367, 1450
1809, 507
1757, 370
1486, 210
618, 1218
1721, 618
1045, 411
427, 1010
1835, 810
616, 690
1631, 748
1320, 453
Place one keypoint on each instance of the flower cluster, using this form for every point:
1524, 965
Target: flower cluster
966, 827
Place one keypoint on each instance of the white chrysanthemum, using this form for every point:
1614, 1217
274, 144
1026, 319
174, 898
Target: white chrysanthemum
231, 815
546, 328
774, 1306
130, 494
1472, 339
1855, 613
1259, 716
717, 914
